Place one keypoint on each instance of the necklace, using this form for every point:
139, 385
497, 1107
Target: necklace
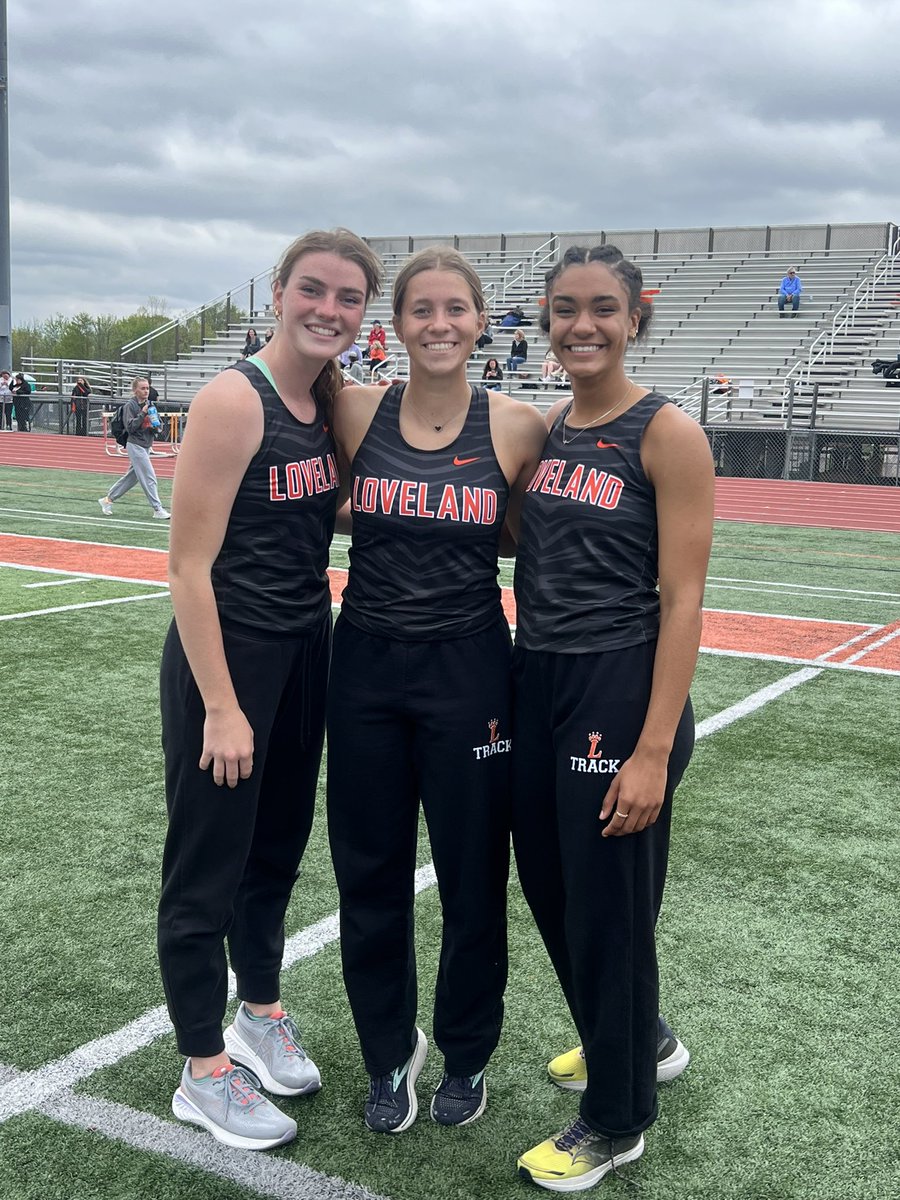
581, 428
429, 421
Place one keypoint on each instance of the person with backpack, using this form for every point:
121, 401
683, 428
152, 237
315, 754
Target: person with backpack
134, 415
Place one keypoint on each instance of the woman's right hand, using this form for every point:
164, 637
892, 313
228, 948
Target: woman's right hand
227, 746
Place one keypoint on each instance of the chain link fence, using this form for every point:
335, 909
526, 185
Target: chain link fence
819, 456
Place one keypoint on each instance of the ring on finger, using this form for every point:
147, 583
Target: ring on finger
622, 816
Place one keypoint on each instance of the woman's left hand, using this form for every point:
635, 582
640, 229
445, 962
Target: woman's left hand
636, 794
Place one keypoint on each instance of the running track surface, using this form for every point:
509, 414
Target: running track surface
742, 633
763, 501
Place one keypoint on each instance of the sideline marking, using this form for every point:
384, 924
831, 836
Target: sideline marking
39, 537
740, 612
857, 597
42, 612
753, 702
31, 1088
888, 637
12, 566
59, 582
800, 662
264, 1174
806, 587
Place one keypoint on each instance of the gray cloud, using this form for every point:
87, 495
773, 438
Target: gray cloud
173, 151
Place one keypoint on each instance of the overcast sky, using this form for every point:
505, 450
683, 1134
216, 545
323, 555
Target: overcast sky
173, 149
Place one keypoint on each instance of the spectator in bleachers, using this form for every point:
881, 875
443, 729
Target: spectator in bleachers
551, 370
353, 368
377, 336
6, 401
492, 375
515, 316
270, 333
377, 357
80, 401
252, 344
344, 359
790, 290
518, 354
21, 390
486, 337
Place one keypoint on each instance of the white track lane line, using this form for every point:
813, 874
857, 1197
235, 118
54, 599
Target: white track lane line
64, 608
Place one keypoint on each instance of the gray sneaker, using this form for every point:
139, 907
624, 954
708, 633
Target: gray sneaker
229, 1105
271, 1049
105, 506
161, 514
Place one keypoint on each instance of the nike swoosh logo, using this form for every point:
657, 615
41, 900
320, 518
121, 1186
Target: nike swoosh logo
461, 462
398, 1076
601, 445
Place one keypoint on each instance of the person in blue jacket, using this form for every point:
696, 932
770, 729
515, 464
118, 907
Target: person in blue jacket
790, 290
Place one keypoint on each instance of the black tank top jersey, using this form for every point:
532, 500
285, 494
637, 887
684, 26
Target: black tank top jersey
586, 568
270, 574
426, 529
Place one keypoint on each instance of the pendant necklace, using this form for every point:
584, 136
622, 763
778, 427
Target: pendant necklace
429, 421
581, 428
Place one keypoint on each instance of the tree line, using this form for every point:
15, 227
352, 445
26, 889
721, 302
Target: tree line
101, 338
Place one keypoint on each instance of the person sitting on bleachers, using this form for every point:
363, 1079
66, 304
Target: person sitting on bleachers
518, 353
551, 370
486, 336
377, 357
377, 336
790, 289
492, 375
252, 344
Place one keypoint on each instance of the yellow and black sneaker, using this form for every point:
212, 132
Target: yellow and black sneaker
569, 1070
577, 1158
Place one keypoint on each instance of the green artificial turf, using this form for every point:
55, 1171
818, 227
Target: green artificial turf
777, 940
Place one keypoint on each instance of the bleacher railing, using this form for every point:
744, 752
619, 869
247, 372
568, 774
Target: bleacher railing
845, 319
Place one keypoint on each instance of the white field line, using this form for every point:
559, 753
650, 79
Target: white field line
860, 637
152, 524
751, 703
806, 587
11, 566
59, 582
33, 1087
68, 519
739, 612
799, 662
264, 1174
42, 612
888, 637
856, 597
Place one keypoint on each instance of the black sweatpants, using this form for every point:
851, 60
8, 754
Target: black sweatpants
429, 720
577, 717
232, 854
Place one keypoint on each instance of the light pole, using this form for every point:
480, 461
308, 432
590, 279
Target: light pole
5, 322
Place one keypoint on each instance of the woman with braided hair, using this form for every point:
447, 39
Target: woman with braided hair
615, 539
